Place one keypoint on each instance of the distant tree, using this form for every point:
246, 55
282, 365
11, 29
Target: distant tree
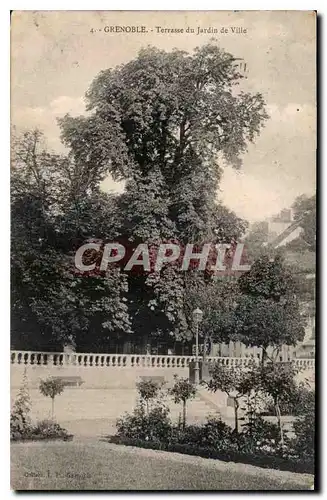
256, 241
267, 312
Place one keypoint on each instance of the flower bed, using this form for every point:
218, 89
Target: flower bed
46, 430
32, 437
259, 460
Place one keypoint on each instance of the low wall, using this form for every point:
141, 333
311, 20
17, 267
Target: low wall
111, 370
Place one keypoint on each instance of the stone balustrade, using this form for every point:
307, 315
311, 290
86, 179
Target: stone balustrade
129, 360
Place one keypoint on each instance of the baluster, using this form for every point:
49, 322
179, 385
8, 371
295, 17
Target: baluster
12, 357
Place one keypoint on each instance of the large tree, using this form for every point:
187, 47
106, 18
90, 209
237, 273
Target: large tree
51, 218
160, 122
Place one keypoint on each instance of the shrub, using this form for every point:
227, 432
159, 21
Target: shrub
152, 426
304, 428
49, 429
20, 422
190, 434
216, 433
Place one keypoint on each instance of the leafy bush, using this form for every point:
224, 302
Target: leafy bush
45, 429
20, 422
216, 433
304, 428
49, 429
190, 434
152, 426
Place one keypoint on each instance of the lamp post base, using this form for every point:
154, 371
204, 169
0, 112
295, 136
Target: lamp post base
197, 373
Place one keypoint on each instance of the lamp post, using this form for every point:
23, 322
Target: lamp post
197, 317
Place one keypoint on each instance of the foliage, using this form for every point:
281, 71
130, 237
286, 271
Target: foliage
260, 459
216, 433
20, 422
154, 425
45, 429
148, 391
235, 382
267, 312
182, 391
49, 429
51, 388
294, 403
304, 428
158, 123
257, 443
277, 380
52, 215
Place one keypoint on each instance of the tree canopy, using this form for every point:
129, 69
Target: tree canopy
166, 123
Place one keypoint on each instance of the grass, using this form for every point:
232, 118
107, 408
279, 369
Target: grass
95, 465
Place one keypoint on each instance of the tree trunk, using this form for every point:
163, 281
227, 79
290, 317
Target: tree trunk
264, 356
184, 414
278, 415
236, 406
52, 408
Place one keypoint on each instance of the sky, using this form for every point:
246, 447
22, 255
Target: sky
56, 54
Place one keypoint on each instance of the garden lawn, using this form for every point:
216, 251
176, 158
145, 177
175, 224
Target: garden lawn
97, 465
